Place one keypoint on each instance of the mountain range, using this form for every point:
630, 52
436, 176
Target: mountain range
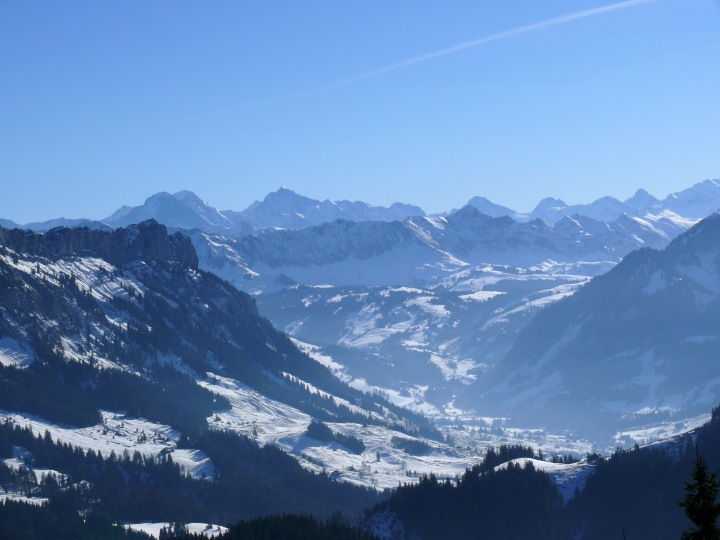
575, 333
280, 209
288, 210
695, 202
631, 345
437, 301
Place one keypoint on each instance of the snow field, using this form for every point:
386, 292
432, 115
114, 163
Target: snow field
153, 529
271, 422
12, 353
119, 433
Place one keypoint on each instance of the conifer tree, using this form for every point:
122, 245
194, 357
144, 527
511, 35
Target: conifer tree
700, 503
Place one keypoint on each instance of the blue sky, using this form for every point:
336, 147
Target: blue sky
105, 103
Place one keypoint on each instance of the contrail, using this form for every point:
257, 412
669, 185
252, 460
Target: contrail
501, 35
555, 21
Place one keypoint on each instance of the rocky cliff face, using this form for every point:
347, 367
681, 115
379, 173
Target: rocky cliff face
148, 240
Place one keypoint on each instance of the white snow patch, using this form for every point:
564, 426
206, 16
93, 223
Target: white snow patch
481, 296
656, 283
12, 353
153, 529
657, 432
424, 303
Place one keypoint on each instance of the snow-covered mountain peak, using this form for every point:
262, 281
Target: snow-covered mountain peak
642, 201
489, 208
285, 196
697, 201
183, 210
549, 203
189, 198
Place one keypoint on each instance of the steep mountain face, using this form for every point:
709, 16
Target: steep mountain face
337, 253
287, 210
76, 290
634, 343
145, 241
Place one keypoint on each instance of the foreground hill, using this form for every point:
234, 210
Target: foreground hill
135, 300
120, 360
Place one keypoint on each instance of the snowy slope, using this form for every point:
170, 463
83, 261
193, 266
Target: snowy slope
403, 340
119, 433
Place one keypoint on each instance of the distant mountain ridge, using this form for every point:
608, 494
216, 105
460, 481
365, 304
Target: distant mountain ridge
281, 209
286, 209
695, 202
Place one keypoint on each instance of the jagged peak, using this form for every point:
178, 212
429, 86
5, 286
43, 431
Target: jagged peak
642, 193
641, 198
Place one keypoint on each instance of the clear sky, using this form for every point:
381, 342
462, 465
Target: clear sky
103, 103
